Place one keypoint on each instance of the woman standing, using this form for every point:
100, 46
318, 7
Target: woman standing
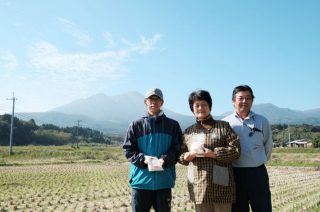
209, 147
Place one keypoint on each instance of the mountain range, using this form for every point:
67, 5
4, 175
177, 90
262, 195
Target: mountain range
112, 114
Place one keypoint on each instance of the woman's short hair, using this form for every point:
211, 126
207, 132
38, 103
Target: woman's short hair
200, 95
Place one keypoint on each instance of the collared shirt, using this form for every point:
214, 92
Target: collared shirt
255, 139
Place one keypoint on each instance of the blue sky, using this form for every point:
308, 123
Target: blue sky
54, 52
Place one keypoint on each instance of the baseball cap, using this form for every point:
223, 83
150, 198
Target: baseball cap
154, 91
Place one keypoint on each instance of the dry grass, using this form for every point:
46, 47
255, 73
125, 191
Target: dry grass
104, 187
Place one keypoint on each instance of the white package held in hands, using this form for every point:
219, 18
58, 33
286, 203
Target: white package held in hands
196, 143
153, 163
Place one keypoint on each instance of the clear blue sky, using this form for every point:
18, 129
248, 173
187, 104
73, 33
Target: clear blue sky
54, 52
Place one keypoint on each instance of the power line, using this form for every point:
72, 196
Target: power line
12, 118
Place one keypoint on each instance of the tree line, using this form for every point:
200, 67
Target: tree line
29, 133
281, 134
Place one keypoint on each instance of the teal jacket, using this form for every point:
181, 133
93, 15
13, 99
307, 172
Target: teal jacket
157, 136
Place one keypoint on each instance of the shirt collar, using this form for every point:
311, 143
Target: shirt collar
250, 115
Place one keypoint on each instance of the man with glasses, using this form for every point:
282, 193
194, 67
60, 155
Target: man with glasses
251, 176
153, 146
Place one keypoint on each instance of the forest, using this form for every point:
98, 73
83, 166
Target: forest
281, 134
29, 133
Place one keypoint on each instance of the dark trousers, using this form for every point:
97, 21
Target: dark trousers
252, 187
142, 200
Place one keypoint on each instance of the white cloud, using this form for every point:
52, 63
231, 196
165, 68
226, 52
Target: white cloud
8, 61
55, 77
145, 46
83, 68
109, 39
46, 58
82, 37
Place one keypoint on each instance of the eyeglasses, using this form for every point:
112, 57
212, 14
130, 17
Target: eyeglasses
203, 105
240, 99
153, 99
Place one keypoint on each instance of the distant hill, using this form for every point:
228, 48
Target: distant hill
277, 115
286, 115
100, 107
112, 114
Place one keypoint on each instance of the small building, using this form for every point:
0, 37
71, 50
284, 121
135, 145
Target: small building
299, 143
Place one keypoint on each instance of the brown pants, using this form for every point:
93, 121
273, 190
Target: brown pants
214, 207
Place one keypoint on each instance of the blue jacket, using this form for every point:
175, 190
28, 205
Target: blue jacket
157, 136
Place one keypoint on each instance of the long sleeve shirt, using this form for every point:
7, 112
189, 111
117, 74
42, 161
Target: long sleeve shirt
255, 139
202, 171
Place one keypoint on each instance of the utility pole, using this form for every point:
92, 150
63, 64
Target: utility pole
78, 132
12, 118
289, 133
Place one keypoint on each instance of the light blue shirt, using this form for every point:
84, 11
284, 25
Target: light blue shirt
255, 139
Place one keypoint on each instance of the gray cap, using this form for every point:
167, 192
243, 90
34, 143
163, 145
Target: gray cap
154, 91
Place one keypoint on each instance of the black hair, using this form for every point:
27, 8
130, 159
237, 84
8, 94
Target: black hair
200, 95
242, 88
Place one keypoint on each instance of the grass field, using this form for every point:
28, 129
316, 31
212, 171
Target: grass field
96, 179
31, 155
297, 157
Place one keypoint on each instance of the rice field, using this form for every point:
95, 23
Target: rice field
104, 187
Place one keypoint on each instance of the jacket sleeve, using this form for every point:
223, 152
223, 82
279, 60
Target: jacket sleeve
131, 150
232, 150
172, 156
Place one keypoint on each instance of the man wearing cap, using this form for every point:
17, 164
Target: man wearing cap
153, 146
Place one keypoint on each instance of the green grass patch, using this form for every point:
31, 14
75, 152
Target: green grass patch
296, 157
26, 155
296, 150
